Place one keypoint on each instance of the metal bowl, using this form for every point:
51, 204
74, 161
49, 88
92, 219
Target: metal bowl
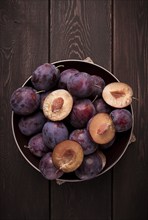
113, 154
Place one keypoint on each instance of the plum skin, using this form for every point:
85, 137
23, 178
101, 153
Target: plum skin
32, 124
82, 111
54, 133
37, 146
24, 100
45, 77
47, 168
83, 138
80, 85
122, 119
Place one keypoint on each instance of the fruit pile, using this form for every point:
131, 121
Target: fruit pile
71, 118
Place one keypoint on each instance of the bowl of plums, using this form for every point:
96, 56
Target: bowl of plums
72, 120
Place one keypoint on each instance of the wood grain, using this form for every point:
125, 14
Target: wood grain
23, 46
131, 65
79, 29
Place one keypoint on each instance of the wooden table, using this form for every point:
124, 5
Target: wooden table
114, 33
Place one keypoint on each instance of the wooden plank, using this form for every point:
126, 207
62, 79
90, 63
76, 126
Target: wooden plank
24, 193
130, 195
80, 29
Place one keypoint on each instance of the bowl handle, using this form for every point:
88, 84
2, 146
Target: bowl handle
88, 59
133, 139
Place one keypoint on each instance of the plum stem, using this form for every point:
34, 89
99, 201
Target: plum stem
95, 99
97, 86
135, 98
38, 92
26, 146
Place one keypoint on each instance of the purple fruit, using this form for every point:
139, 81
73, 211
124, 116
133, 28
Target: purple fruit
122, 119
54, 133
64, 77
45, 77
98, 85
91, 166
24, 100
47, 168
82, 111
102, 106
32, 124
37, 146
80, 85
83, 138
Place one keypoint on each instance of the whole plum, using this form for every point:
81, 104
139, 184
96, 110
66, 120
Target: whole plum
54, 133
24, 100
122, 119
80, 85
37, 146
45, 77
32, 124
82, 111
47, 168
83, 138
64, 77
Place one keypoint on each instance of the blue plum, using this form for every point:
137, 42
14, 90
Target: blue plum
37, 146
48, 169
80, 85
83, 138
122, 119
82, 111
32, 124
24, 100
45, 77
91, 166
54, 133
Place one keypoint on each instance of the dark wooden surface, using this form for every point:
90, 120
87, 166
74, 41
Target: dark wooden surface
114, 33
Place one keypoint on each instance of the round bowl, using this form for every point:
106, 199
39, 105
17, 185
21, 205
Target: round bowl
113, 154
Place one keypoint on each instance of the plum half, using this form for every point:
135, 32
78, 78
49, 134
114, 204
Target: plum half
117, 94
101, 128
67, 156
57, 105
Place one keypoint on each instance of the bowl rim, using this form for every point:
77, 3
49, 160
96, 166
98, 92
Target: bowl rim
60, 180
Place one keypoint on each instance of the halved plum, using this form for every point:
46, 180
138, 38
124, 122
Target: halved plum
67, 155
57, 105
117, 94
101, 128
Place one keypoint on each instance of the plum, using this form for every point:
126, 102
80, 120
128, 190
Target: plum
32, 124
91, 166
24, 100
117, 94
80, 85
45, 77
64, 77
54, 133
82, 111
67, 156
122, 119
57, 105
37, 146
82, 136
101, 128
47, 168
